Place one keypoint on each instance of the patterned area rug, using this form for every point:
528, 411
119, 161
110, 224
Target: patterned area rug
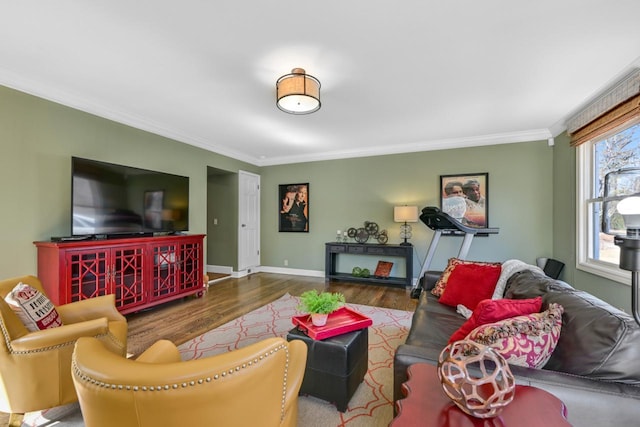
372, 403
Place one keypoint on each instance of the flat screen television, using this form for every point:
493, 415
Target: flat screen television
113, 200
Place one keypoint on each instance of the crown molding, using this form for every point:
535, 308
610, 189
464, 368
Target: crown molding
22, 84
442, 144
68, 99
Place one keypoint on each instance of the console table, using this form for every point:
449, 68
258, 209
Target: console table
141, 272
426, 405
334, 249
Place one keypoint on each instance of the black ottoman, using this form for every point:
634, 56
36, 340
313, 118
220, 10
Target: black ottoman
335, 366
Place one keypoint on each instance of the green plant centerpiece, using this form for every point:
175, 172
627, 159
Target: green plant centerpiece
320, 304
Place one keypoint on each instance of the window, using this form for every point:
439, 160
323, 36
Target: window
613, 151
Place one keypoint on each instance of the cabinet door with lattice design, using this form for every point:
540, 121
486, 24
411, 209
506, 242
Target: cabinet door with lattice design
191, 265
165, 270
88, 273
129, 276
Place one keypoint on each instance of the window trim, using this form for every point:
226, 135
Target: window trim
584, 181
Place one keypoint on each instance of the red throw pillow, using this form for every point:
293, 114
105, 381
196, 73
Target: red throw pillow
468, 284
441, 284
494, 310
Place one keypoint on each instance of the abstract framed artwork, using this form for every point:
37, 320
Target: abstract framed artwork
293, 204
466, 198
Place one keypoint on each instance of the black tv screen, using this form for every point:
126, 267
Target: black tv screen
110, 199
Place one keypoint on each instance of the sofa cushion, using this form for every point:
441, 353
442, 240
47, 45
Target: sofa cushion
490, 310
597, 339
33, 308
530, 284
527, 340
442, 282
432, 323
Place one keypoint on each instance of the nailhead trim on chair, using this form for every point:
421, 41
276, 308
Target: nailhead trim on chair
5, 334
78, 372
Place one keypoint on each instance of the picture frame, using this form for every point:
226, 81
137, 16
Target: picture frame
465, 197
293, 207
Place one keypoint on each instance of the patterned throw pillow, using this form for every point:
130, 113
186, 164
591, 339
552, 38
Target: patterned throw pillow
523, 340
451, 266
35, 310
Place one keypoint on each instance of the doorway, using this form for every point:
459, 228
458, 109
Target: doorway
249, 221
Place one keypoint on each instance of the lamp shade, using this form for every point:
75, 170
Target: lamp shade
405, 214
298, 92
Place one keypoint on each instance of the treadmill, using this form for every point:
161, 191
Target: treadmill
443, 223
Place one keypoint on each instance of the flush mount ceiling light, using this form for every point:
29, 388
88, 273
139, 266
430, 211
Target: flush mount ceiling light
298, 92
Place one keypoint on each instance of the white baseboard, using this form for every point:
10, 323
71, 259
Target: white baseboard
292, 271
221, 269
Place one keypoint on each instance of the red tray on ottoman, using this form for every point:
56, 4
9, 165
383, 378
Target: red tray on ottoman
339, 322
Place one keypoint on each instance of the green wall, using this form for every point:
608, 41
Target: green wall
564, 238
345, 193
39, 137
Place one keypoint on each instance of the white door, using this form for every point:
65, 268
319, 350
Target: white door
249, 221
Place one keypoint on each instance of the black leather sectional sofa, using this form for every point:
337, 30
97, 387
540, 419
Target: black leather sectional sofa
594, 370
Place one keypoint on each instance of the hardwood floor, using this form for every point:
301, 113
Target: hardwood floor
225, 300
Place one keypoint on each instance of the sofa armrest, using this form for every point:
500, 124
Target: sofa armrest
429, 279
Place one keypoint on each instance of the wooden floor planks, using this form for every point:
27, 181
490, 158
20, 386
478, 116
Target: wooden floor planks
184, 319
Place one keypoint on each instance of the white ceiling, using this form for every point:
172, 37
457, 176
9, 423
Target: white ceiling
397, 76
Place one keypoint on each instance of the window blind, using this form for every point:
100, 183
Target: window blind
618, 105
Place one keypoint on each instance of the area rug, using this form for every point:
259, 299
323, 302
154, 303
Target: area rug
372, 403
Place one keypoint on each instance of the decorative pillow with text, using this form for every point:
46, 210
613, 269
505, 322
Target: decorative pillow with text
33, 308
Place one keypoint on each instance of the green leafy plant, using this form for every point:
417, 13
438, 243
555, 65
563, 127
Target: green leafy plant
320, 302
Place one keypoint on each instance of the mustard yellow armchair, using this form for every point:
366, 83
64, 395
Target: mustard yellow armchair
256, 385
35, 367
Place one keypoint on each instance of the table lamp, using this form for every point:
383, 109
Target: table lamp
629, 208
405, 214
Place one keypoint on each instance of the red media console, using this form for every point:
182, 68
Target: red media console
142, 272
